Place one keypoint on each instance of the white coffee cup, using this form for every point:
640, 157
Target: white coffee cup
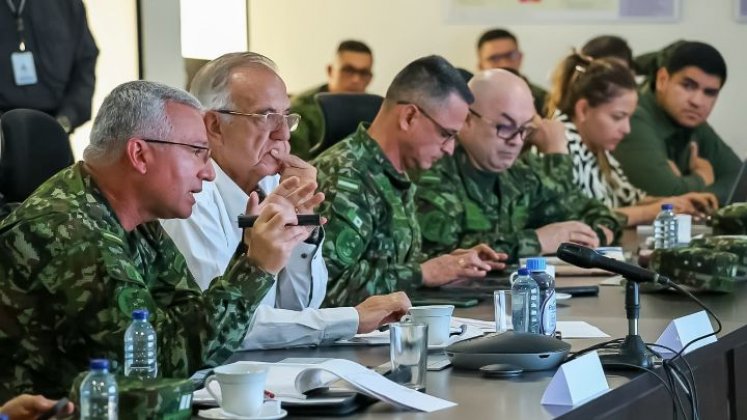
242, 387
438, 318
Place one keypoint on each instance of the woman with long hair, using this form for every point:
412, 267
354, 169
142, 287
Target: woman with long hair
594, 98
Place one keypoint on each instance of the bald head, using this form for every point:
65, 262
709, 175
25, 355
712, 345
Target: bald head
497, 87
503, 108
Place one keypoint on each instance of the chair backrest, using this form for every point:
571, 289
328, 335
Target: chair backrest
33, 148
342, 113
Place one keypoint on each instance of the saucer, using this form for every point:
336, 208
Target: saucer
218, 413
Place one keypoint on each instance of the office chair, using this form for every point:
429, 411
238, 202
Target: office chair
33, 147
342, 112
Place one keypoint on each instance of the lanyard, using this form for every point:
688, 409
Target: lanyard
19, 21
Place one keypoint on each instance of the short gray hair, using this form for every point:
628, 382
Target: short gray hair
210, 84
133, 109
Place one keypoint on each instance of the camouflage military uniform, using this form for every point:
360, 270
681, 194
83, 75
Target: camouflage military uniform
373, 238
311, 127
730, 220
70, 276
459, 206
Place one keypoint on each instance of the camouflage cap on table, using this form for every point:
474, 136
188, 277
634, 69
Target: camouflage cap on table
698, 268
730, 220
160, 398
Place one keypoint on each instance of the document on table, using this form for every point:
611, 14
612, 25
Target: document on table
290, 379
458, 333
569, 329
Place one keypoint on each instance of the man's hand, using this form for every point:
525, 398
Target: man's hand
381, 309
30, 407
461, 263
552, 235
549, 136
292, 165
701, 166
273, 236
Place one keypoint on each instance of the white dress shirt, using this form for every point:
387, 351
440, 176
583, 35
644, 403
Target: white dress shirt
289, 314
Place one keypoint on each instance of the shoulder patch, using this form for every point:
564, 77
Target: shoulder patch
131, 298
348, 245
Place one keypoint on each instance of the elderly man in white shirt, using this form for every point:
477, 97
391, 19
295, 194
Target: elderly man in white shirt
249, 128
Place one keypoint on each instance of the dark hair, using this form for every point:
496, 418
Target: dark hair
581, 77
353, 46
609, 46
493, 34
427, 80
700, 55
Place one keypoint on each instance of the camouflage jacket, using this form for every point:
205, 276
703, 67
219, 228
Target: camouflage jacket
459, 206
311, 127
373, 238
70, 276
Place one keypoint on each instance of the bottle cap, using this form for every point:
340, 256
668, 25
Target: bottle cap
140, 314
536, 264
523, 271
99, 364
667, 206
4, 417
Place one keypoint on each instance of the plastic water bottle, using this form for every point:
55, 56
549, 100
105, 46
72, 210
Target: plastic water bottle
98, 393
547, 306
525, 303
665, 228
140, 347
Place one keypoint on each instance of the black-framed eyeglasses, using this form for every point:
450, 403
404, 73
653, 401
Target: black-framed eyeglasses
510, 55
201, 152
446, 134
271, 120
506, 131
351, 71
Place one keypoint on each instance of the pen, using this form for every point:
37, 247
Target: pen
303, 220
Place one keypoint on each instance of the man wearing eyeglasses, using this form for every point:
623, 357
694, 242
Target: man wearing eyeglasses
349, 72
499, 49
482, 194
248, 125
86, 249
373, 238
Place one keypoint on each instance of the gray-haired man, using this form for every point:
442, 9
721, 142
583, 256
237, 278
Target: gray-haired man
248, 125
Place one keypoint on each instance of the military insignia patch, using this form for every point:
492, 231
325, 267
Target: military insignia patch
348, 245
131, 298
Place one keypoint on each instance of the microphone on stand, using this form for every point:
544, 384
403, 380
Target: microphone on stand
582, 256
633, 351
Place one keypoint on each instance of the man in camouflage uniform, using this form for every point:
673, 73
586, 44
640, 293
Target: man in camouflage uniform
373, 241
85, 250
482, 194
350, 72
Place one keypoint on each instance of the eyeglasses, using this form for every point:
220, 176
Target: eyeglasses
201, 152
445, 132
351, 71
271, 120
511, 55
506, 131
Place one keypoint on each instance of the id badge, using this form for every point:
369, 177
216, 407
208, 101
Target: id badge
24, 70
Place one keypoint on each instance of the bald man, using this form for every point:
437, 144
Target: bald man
483, 194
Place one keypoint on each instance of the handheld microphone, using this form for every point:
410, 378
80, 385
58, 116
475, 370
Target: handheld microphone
582, 256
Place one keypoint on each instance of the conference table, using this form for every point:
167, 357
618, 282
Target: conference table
720, 368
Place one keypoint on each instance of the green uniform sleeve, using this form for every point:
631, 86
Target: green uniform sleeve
359, 263
726, 164
89, 290
310, 128
644, 159
560, 200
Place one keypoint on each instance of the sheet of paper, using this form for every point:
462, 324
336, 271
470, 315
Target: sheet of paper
382, 337
569, 329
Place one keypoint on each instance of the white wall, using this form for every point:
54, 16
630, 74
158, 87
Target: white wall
301, 36
114, 27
